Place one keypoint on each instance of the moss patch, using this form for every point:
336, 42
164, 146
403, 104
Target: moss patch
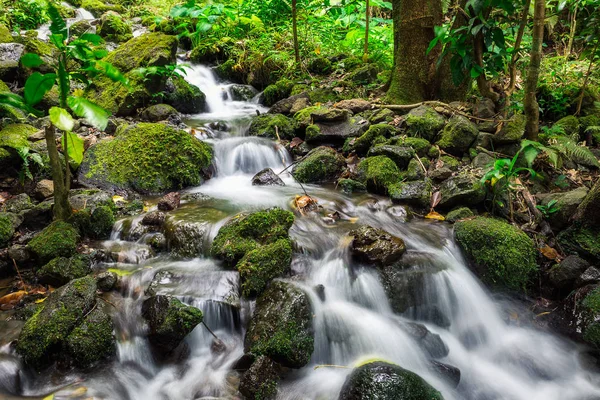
92, 340
114, 29
59, 239
321, 164
277, 91
271, 125
378, 173
376, 134
61, 270
149, 50
259, 266
7, 229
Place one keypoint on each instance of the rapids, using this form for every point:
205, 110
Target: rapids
500, 356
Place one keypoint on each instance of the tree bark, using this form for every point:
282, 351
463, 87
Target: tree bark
519, 39
366, 50
532, 113
414, 72
295, 31
62, 208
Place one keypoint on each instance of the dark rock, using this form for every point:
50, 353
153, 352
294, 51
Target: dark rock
106, 281
185, 239
10, 379
463, 190
448, 373
242, 92
424, 122
58, 239
260, 380
285, 106
459, 213
484, 108
589, 276
376, 246
398, 154
169, 202
457, 136
20, 253
432, 343
18, 203
10, 55
154, 218
483, 161
244, 362
566, 205
267, 177
158, 112
563, 275
440, 174
92, 340
61, 270
416, 193
321, 164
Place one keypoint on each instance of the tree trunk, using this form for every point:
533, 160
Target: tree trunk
532, 112
62, 208
366, 50
515, 55
295, 31
482, 83
414, 73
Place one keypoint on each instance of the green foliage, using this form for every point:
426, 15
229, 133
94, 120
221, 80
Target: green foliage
25, 14
165, 71
58, 239
550, 208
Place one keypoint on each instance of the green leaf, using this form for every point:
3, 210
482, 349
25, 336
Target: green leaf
13, 100
37, 86
61, 119
530, 153
111, 72
31, 60
74, 146
91, 38
58, 25
93, 113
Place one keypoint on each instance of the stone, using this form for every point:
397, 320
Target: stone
589, 276
158, 112
260, 380
376, 246
483, 161
154, 218
147, 50
424, 122
113, 28
354, 105
267, 177
448, 373
169, 202
10, 55
511, 132
92, 340
564, 274
379, 174
566, 204
62, 270
185, 238
44, 189
106, 281
242, 92
484, 108
440, 174
375, 135
18, 203
399, 154
320, 165
273, 126
286, 105
462, 190
415, 193
458, 135
458, 214
183, 97
59, 239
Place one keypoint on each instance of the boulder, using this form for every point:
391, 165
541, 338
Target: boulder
169, 320
59, 239
281, 327
458, 135
158, 112
267, 177
579, 315
80, 27
169, 202
385, 381
500, 253
148, 158
569, 125
183, 96
92, 340
431, 343
291, 105
7, 228
398, 154
335, 132
351, 186
259, 266
319, 65
589, 276
320, 165
273, 126
98, 7
260, 380
414, 193
10, 55
354, 105
376, 246
511, 132
44, 189
564, 274
147, 50
376, 134
185, 238
106, 281
378, 173
113, 28
276, 92
18, 203
461, 190
364, 75
566, 204
13, 137
424, 122
154, 218
62, 270
242, 92
5, 35
458, 214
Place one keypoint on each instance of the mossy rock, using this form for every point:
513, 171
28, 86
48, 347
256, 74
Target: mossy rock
62, 270
59, 239
158, 112
122, 100
260, 381
148, 158
378, 173
7, 229
148, 50
402, 156
364, 75
5, 35
458, 135
80, 27
594, 133
424, 122
113, 28
281, 327
351, 186
421, 146
570, 125
277, 91
319, 65
322, 95
270, 125
184, 97
502, 254
13, 138
512, 131
589, 121
376, 134
320, 165
581, 239
92, 341
566, 204
45, 334
414, 193
461, 190
385, 381
304, 117
97, 7
459, 213
260, 266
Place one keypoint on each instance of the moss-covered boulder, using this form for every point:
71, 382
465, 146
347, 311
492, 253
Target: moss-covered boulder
281, 327
320, 165
511, 132
98, 7
566, 204
502, 254
413, 193
169, 320
62, 270
7, 229
463, 189
378, 173
376, 134
376, 246
459, 213
92, 340
582, 239
276, 92
424, 122
148, 158
260, 266
148, 50
421, 146
5, 35
113, 28
399, 154
385, 381
364, 75
569, 125
13, 138
271, 125
319, 65
304, 117
183, 96
122, 100
260, 381
59, 239
351, 186
185, 238
158, 112
45, 334
458, 135
80, 27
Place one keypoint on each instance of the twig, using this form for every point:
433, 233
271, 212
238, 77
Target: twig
331, 366
106, 301
211, 332
277, 133
491, 153
292, 164
19, 273
421, 164
401, 107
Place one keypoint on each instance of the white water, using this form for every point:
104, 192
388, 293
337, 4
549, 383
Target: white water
500, 358
80, 14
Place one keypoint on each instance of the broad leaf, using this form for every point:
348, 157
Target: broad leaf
31, 60
37, 86
91, 38
61, 119
93, 113
15, 101
110, 71
74, 146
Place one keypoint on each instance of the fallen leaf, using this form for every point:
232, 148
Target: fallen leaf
549, 253
12, 298
436, 197
305, 204
436, 216
296, 142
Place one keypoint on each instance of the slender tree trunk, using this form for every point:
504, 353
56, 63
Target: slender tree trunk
519, 39
295, 31
366, 50
587, 78
62, 208
414, 75
532, 113
572, 32
482, 83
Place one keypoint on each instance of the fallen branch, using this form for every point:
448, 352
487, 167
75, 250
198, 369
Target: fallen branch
403, 107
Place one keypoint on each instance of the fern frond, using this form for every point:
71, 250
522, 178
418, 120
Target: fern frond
571, 150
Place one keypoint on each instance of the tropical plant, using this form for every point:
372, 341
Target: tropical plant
549, 209
166, 71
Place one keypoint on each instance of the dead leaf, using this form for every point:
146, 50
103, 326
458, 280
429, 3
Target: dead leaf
436, 216
11, 299
436, 197
296, 142
305, 204
549, 253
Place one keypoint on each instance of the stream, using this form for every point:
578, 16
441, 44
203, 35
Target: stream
488, 337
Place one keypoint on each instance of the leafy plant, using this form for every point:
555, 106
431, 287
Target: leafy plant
549, 209
26, 158
26, 14
166, 71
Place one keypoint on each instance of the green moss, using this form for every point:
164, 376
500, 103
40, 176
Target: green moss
376, 134
179, 316
259, 266
323, 95
61, 270
303, 117
513, 130
148, 158
59, 239
320, 164
505, 255
378, 173
312, 133
97, 7
319, 65
589, 121
37, 46
569, 124
419, 145
186, 98
458, 214
7, 229
424, 122
351, 186
148, 50
122, 100
92, 340
101, 222
457, 136
277, 91
15, 136
80, 27
5, 35
270, 125
114, 29
580, 239
450, 162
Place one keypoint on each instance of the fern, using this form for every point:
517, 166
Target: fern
569, 149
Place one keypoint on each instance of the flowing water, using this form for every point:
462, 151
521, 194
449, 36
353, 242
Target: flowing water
499, 355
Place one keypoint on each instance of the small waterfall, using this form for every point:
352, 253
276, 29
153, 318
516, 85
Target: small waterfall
248, 155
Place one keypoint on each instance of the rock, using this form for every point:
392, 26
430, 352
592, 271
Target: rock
415, 193
440, 174
113, 28
424, 122
457, 136
291, 105
7, 229
242, 92
484, 108
158, 112
10, 55
5, 35
185, 238
12, 138
20, 253
351, 186
398, 154
281, 327
80, 27
183, 96
569, 125
458, 214
354, 105
483, 161
563, 275
44, 189
59, 239
448, 373
376, 134
502, 254
276, 92
430, 342
90, 199
581, 239
416, 170
580, 313
169, 320
154, 218
323, 114
18, 203
462, 190
260, 380
148, 50
10, 368
169, 202
376, 246
62, 270
566, 204
320, 165
378, 174
106, 281
335, 132
98, 7
364, 75
512, 131
589, 276
421, 146
271, 125
92, 340
267, 177
45, 334
384, 381
148, 158
319, 65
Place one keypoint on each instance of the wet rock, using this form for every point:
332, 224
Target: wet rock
376, 246
589, 276
461, 190
106, 281
10, 54
62, 270
92, 340
417, 169
158, 112
184, 97
424, 122
381, 380
404, 286
10, 380
415, 193
20, 253
447, 372
113, 28
291, 105
320, 164
39, 215
259, 266
58, 239
400, 155
185, 239
432, 343
244, 362
457, 136
154, 218
18, 203
44, 189
380, 174
500, 253
157, 241
459, 213
7, 228
169, 202
335, 132
267, 177
169, 320
354, 105
273, 126
440, 174
260, 380
281, 327
376, 134
80, 27
242, 92
563, 275
351, 186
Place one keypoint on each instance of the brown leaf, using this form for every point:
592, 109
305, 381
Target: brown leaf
296, 142
305, 204
436, 216
549, 253
11, 299
436, 197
